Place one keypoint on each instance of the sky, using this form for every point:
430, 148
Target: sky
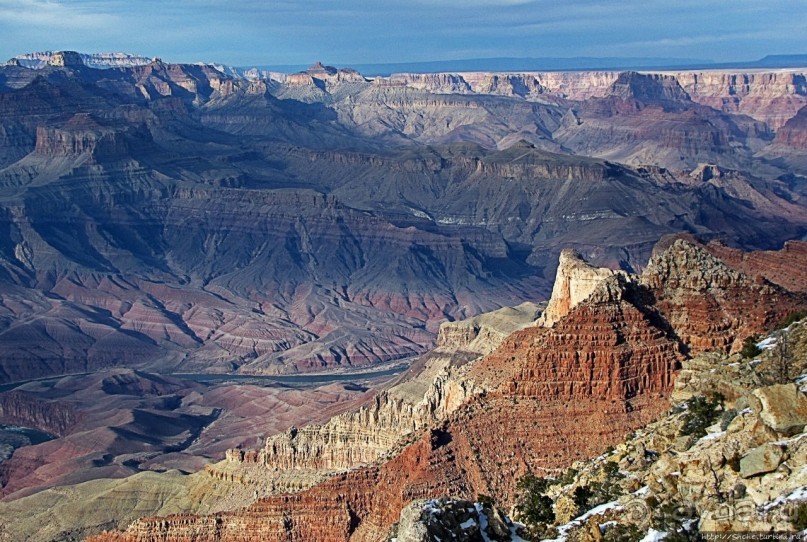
266, 33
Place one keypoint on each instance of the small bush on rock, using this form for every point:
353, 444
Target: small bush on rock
534, 506
701, 413
623, 532
750, 349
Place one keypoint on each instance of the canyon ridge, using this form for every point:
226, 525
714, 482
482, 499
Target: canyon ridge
267, 306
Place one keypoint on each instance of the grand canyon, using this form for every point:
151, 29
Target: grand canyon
323, 306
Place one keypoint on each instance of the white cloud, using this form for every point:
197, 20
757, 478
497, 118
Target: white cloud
52, 14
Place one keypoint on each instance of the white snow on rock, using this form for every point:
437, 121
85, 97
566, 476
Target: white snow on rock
799, 494
467, 524
767, 344
563, 530
712, 436
654, 536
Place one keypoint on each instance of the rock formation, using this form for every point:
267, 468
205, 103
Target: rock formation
181, 216
793, 133
434, 389
770, 97
781, 267
178, 218
710, 305
56, 417
452, 519
610, 361
575, 280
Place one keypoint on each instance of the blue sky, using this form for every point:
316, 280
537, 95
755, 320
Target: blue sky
254, 32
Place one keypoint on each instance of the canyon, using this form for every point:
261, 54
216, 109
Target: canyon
605, 368
544, 251
178, 218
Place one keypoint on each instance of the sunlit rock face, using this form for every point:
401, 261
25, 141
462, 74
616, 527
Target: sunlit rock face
551, 396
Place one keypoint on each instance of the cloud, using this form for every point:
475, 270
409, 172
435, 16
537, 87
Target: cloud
54, 15
369, 31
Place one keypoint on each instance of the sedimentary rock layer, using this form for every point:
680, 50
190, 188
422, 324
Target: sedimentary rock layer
604, 368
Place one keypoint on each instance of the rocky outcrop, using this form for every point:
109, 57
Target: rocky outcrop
737, 475
509, 85
372, 433
770, 97
782, 267
710, 305
448, 83
452, 519
535, 379
483, 333
319, 74
66, 59
575, 280
781, 407
648, 88
761, 460
55, 417
84, 138
94, 60
793, 133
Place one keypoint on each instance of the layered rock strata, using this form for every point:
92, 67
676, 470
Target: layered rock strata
435, 388
772, 97
781, 267
710, 305
609, 361
629, 362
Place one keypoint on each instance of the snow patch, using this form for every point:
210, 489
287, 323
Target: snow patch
767, 344
483, 524
563, 530
607, 525
712, 436
419, 213
654, 536
799, 494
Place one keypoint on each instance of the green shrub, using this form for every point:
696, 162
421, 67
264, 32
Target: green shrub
535, 510
532, 484
534, 507
671, 517
597, 493
623, 532
611, 471
701, 413
750, 349
568, 477
582, 496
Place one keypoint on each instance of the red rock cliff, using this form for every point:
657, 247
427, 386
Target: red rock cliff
556, 394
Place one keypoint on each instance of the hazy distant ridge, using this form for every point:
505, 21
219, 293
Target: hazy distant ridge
559, 64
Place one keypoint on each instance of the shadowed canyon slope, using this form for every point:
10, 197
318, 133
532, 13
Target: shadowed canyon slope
544, 397
174, 218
